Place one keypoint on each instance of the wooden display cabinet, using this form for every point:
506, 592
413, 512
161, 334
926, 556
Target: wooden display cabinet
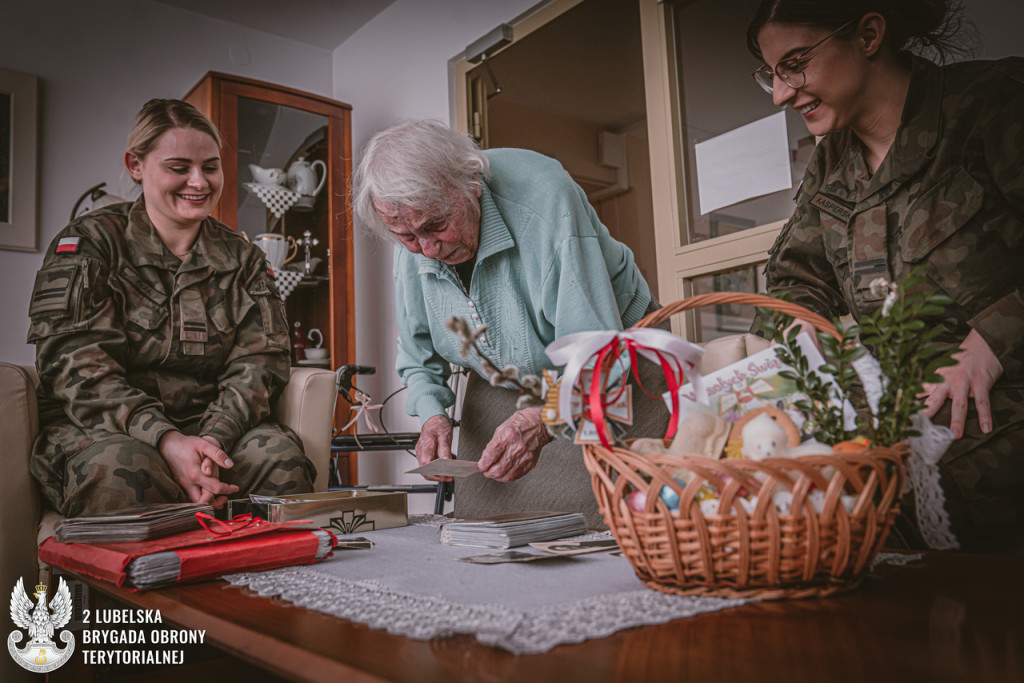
271, 126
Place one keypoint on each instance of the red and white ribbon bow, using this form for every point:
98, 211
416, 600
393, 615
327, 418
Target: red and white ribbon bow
678, 358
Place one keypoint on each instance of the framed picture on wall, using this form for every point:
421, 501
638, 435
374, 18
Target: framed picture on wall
19, 98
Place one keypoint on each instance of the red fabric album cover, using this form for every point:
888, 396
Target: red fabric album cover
255, 545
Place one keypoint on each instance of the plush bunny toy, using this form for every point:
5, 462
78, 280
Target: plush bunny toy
763, 437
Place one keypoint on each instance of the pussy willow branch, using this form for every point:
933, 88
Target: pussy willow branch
530, 384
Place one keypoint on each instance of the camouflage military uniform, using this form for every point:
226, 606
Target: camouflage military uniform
132, 342
950, 196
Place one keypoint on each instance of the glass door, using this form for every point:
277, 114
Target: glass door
719, 142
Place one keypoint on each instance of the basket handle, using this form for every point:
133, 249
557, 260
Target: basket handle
713, 299
867, 368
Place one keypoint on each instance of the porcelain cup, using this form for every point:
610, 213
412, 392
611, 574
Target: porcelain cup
316, 354
278, 248
267, 176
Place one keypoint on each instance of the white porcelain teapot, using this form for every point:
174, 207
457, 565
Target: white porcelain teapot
302, 177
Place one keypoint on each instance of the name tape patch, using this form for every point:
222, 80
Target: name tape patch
832, 207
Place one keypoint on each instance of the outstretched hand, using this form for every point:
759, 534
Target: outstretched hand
515, 447
435, 443
974, 374
195, 463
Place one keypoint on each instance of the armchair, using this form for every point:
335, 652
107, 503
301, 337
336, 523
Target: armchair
306, 405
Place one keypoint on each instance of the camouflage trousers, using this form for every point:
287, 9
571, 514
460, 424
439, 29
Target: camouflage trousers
86, 471
983, 480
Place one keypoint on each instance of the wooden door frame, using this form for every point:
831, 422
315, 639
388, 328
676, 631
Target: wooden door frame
522, 26
678, 262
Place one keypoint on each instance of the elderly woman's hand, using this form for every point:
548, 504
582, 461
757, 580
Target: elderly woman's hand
435, 443
515, 448
185, 457
972, 377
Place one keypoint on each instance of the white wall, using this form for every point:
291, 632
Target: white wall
396, 66
999, 24
97, 63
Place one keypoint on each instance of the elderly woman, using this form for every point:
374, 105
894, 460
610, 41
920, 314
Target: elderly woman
920, 165
502, 238
160, 341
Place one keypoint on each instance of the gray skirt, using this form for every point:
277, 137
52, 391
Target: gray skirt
560, 481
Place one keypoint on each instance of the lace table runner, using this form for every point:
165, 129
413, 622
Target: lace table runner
411, 585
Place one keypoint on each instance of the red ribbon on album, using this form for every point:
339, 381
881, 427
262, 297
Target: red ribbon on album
228, 527
677, 358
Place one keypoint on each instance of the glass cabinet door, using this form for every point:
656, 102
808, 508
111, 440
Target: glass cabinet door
272, 137
281, 143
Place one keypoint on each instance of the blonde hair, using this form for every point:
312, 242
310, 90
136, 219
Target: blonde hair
159, 116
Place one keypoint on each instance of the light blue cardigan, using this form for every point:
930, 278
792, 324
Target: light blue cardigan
546, 267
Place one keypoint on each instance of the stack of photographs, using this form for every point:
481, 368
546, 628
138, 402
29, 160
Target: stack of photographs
510, 531
142, 523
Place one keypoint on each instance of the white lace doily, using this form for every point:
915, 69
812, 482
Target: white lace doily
411, 585
895, 559
286, 281
277, 198
923, 478
922, 466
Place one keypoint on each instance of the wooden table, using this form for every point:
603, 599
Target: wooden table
948, 617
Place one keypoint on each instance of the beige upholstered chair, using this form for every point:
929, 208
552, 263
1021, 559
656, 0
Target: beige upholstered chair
721, 352
307, 406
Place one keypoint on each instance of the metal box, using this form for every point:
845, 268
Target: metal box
343, 512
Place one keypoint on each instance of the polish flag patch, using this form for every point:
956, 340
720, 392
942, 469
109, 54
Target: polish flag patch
67, 245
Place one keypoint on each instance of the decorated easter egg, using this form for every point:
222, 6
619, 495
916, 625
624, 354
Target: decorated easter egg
706, 492
853, 446
637, 500
670, 497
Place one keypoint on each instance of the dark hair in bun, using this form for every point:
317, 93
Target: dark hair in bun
911, 25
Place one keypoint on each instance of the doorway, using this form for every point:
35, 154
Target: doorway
572, 88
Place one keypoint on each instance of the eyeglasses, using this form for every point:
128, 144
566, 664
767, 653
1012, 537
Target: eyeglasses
792, 70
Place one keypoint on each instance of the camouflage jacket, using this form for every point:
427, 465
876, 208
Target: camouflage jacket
949, 195
130, 339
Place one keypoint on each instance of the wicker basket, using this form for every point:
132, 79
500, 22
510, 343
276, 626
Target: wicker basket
764, 553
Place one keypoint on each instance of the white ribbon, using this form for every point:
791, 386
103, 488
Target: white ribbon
575, 350
363, 410
870, 373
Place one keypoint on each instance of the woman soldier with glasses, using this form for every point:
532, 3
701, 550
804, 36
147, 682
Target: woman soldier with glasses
918, 164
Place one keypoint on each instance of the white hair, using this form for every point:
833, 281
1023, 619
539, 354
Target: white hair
417, 164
